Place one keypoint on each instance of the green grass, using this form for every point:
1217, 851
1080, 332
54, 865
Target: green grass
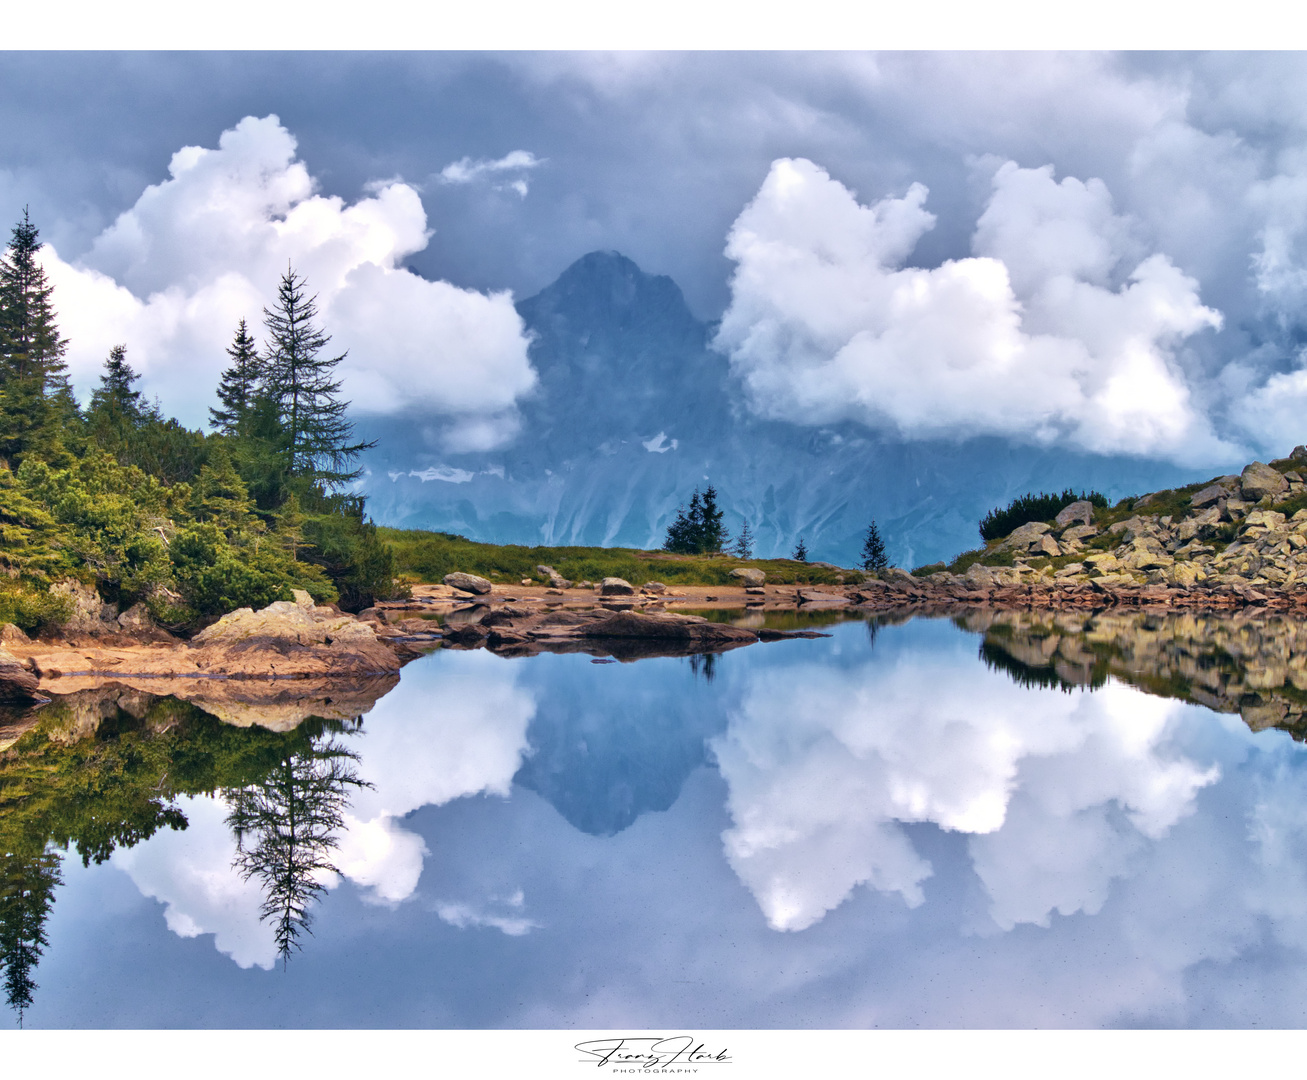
426, 557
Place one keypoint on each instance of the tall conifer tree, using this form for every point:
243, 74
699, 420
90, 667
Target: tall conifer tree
32, 368
239, 385
310, 409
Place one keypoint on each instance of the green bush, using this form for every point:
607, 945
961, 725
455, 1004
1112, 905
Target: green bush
1042, 507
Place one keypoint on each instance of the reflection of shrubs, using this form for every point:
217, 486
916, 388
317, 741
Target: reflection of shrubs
1027, 508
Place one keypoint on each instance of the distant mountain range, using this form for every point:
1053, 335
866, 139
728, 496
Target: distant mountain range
634, 410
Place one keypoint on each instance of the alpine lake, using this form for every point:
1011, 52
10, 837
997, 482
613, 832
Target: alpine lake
995, 819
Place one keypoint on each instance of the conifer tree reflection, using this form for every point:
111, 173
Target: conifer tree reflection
286, 827
704, 665
27, 884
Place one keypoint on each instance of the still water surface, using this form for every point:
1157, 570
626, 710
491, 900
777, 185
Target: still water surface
896, 826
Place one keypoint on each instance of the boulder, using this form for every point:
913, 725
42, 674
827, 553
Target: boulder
749, 576
667, 627
478, 586
1199, 524
1299, 453
1259, 480
136, 618
287, 639
90, 615
615, 586
17, 683
1220, 489
1081, 511
1022, 537
13, 635
979, 577
556, 580
1078, 532
655, 587
1047, 545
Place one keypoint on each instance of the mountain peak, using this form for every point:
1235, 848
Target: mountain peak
606, 289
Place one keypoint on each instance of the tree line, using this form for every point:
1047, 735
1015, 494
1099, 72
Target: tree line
190, 523
699, 529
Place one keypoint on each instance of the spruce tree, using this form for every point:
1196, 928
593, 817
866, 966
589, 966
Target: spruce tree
873, 550
239, 385
116, 408
744, 543
299, 380
32, 368
712, 534
800, 551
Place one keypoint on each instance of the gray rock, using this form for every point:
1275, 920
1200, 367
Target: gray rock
1024, 536
656, 587
615, 586
468, 583
1200, 524
90, 615
1048, 546
556, 580
1079, 532
17, 683
1222, 488
137, 617
750, 576
1299, 453
1259, 480
1081, 511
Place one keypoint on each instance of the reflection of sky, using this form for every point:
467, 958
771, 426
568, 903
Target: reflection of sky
892, 837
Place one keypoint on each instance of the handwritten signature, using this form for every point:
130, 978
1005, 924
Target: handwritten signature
650, 1052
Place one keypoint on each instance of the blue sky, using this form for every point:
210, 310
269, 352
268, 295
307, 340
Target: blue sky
1028, 202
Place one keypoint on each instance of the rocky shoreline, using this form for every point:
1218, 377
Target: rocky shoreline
1216, 548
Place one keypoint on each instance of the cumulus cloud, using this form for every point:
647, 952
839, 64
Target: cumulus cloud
191, 874
825, 765
206, 247
1055, 331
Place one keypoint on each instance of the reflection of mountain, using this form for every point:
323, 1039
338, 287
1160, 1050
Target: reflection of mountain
1252, 665
633, 410
604, 759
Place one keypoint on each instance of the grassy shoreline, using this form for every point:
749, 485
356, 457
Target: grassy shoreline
423, 557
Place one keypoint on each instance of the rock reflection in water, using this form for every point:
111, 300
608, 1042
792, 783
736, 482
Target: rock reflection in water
1253, 665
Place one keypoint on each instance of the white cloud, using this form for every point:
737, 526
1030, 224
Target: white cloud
659, 443
466, 171
509, 918
1054, 332
206, 247
191, 873
824, 765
